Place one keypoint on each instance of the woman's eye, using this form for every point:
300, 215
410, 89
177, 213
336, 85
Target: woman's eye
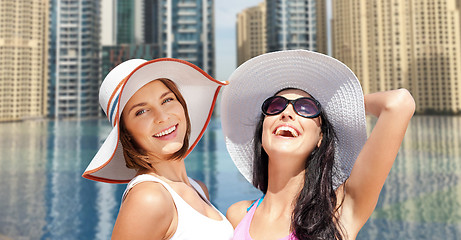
140, 112
167, 100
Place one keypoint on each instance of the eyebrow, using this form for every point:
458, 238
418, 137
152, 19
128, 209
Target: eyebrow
144, 103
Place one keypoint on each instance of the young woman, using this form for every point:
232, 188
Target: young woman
294, 123
159, 109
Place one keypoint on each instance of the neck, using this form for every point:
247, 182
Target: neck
284, 184
168, 170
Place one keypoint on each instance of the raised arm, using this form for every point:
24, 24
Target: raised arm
394, 110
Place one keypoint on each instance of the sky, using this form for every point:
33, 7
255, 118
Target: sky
225, 45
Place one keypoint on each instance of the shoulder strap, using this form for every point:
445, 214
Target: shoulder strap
145, 178
198, 188
257, 200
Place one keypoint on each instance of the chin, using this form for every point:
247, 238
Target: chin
172, 148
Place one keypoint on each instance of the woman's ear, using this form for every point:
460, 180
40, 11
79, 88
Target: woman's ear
320, 140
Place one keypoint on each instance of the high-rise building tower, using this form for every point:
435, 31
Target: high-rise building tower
136, 29
402, 43
296, 24
125, 21
187, 31
23, 59
151, 22
251, 33
74, 58
129, 22
181, 29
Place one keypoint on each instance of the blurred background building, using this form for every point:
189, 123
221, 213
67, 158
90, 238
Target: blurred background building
251, 33
55, 53
403, 43
128, 30
23, 59
74, 61
276, 25
296, 24
151, 29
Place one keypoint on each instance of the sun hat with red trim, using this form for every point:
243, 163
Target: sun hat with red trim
199, 90
326, 79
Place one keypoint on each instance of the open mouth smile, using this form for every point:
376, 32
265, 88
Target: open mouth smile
166, 131
286, 131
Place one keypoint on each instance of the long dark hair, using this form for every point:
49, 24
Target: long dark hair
314, 215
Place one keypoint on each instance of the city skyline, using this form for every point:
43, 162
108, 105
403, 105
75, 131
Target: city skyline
174, 29
281, 25
226, 17
225, 33
226, 46
424, 57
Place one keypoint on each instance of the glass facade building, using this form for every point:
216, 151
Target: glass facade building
125, 21
187, 31
296, 24
182, 29
74, 58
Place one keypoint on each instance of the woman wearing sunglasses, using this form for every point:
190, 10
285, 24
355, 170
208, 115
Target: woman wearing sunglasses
294, 123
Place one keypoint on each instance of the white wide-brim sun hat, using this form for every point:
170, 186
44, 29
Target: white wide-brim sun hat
326, 79
199, 90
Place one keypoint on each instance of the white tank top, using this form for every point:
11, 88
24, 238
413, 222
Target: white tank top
191, 224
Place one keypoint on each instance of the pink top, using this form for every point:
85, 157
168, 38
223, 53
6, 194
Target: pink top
242, 231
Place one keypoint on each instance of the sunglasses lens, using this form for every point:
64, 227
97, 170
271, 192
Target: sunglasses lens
274, 105
306, 107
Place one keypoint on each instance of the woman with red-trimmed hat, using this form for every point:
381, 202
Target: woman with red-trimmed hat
159, 110
294, 123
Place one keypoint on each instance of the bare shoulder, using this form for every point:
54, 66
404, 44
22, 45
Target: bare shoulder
237, 211
204, 188
147, 193
150, 204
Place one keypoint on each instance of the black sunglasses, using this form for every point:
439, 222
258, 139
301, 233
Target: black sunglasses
304, 107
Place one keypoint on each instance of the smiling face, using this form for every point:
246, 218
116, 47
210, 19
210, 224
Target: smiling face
289, 135
155, 120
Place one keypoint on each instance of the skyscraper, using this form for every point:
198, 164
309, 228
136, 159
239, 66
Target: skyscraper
187, 31
125, 21
23, 59
74, 58
151, 21
130, 21
296, 24
403, 43
251, 33
181, 29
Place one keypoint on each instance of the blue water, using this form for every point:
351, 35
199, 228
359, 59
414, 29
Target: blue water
43, 196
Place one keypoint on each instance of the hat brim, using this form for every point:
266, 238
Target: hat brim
198, 89
328, 80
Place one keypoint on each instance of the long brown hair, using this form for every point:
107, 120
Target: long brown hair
138, 159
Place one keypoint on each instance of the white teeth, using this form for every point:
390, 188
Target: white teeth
168, 131
280, 130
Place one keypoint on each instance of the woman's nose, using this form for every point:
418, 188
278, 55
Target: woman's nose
160, 116
289, 112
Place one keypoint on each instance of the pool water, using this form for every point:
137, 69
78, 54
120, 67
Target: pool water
43, 196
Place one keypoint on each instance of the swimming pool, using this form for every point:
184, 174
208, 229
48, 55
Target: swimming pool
43, 196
